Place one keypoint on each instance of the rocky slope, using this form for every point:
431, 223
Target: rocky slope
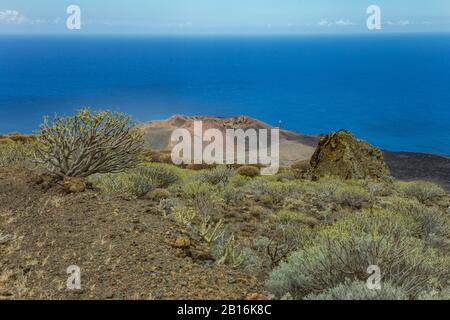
125, 249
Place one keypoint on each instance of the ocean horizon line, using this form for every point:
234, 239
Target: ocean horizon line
225, 34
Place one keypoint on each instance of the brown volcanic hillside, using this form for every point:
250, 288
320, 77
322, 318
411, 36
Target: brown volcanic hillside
295, 146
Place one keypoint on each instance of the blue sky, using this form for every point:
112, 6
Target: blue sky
224, 16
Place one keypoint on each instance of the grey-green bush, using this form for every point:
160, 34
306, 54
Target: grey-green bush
433, 224
358, 290
421, 190
334, 260
136, 182
277, 191
232, 195
352, 196
219, 175
161, 175
204, 197
88, 143
130, 184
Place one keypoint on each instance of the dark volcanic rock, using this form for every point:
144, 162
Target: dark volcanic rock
341, 154
419, 166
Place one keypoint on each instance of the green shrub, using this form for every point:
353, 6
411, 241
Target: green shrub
421, 190
229, 252
376, 188
405, 206
311, 205
285, 237
183, 215
216, 176
293, 204
232, 195
352, 196
129, 184
252, 262
443, 294
248, 171
209, 231
204, 197
432, 222
136, 182
283, 175
158, 194
331, 261
266, 200
163, 176
261, 243
296, 217
12, 153
358, 291
239, 181
325, 188
278, 191
259, 211
169, 203
378, 222
88, 143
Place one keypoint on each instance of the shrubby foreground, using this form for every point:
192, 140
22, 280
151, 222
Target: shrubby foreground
162, 231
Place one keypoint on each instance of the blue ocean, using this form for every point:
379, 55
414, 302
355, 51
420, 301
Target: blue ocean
392, 90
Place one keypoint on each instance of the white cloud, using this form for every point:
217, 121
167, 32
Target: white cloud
345, 23
338, 23
12, 17
401, 23
324, 23
15, 17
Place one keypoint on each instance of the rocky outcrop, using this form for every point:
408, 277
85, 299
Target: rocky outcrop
192, 248
74, 185
341, 154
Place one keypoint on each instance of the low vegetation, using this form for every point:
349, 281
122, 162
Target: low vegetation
316, 239
302, 238
358, 290
421, 190
137, 182
16, 152
248, 171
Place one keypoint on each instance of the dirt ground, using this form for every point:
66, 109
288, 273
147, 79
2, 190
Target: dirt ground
125, 249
